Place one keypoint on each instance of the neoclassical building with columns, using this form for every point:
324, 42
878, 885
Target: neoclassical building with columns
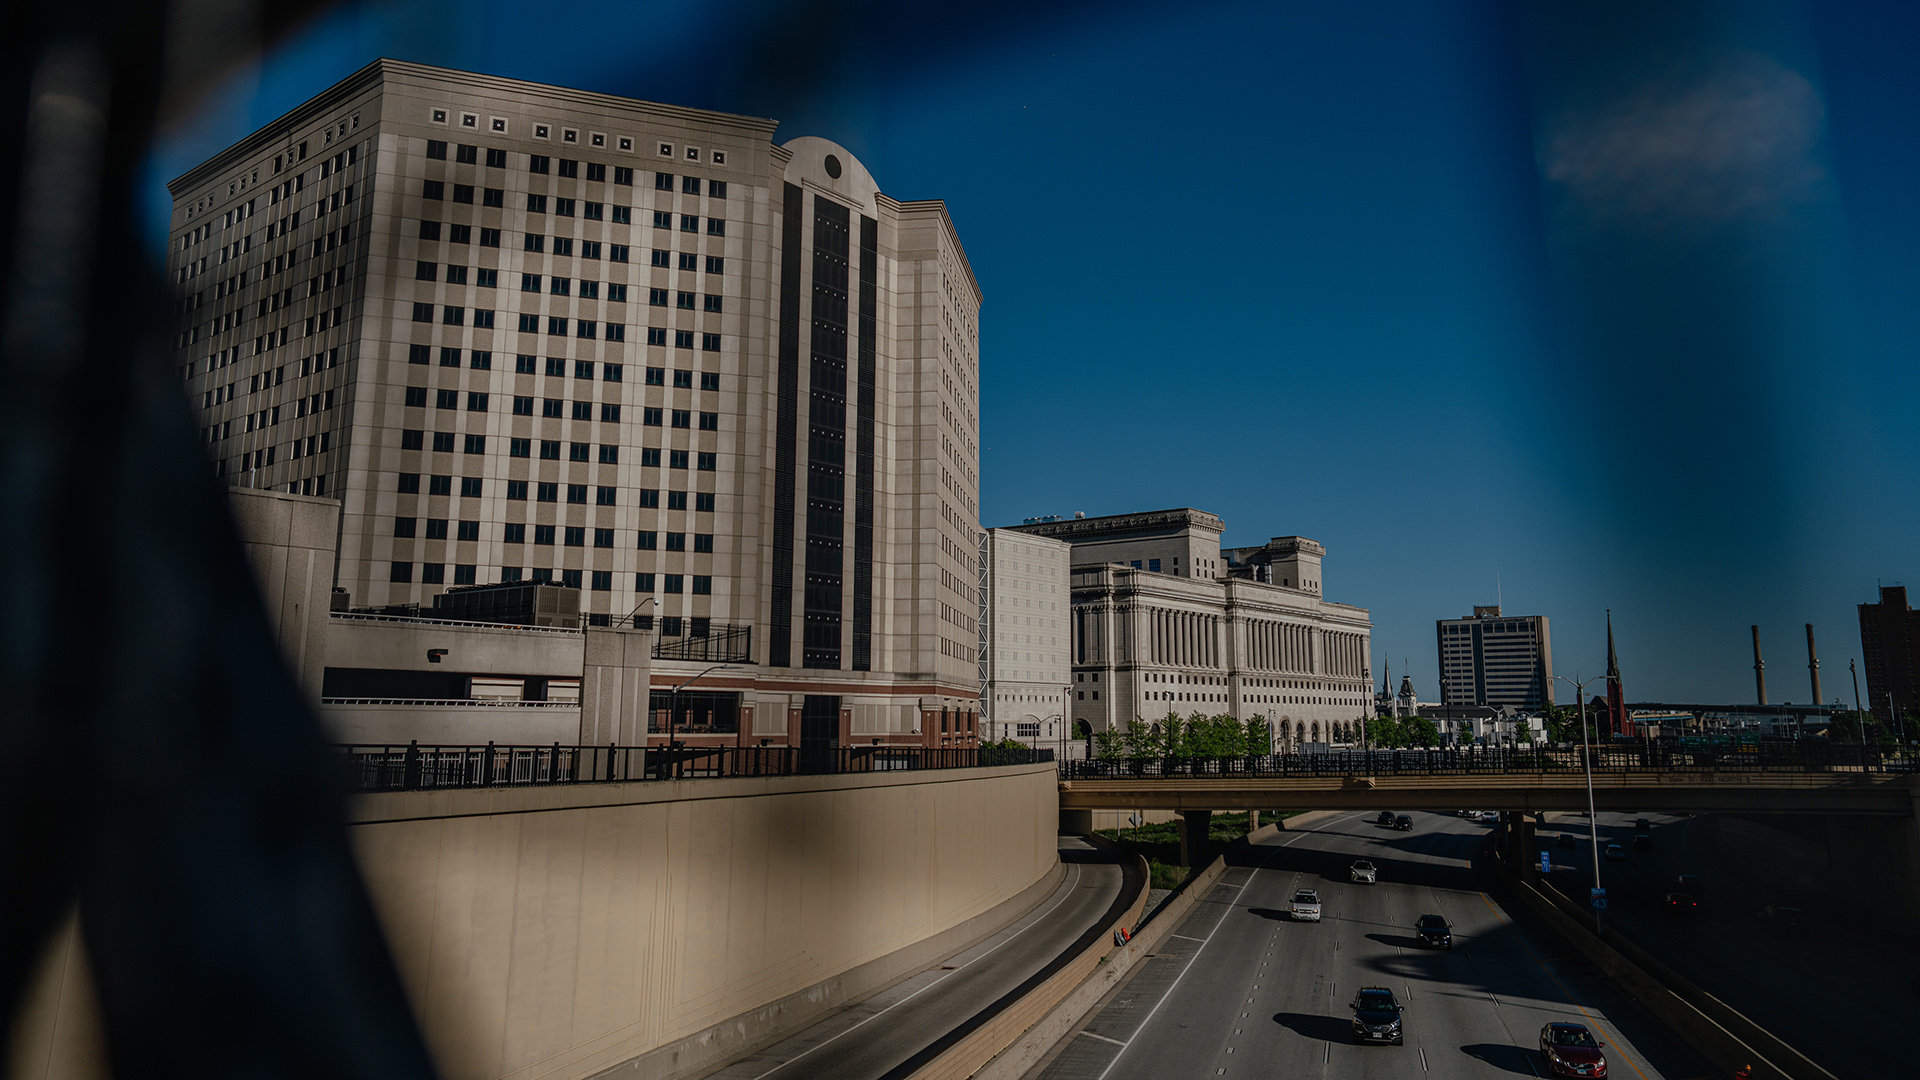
1166, 621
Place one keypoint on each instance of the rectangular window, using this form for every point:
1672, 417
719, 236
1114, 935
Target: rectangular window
490, 238
592, 211
436, 528
410, 439
609, 454
436, 150
649, 498
676, 459
496, 159
702, 585
556, 366
494, 197
583, 410
486, 278
401, 572
577, 493
709, 380
596, 172
604, 496
676, 500
423, 313
563, 245
703, 502
543, 535
662, 219
410, 483
656, 376
529, 323
537, 163
563, 207
657, 297
482, 319
649, 541
545, 491
536, 204
579, 451
449, 357
703, 542
517, 489
690, 185
513, 533
682, 418
689, 223
570, 578
419, 354
656, 336
529, 282
439, 484
643, 583
469, 530
623, 215
536, 242
433, 189
649, 457
649, 416
425, 271
708, 462
470, 487
603, 538
429, 230
589, 249
623, 175
560, 286
477, 402
612, 372
709, 421
683, 339
557, 325
523, 364
404, 527
676, 541
522, 406
549, 449
684, 301
709, 342
670, 583
476, 444
463, 193
416, 397
446, 399
575, 536
610, 414
716, 189
586, 328
711, 302
716, 226
663, 181
570, 168
464, 574
460, 234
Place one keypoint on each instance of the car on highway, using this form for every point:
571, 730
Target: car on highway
1305, 906
1689, 884
1404, 823
1362, 870
1615, 853
1565, 839
1780, 919
1571, 1050
1376, 1016
1433, 930
1643, 842
1679, 903
1385, 818
1490, 815
1642, 825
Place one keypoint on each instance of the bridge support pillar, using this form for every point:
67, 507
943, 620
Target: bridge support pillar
1253, 820
1521, 846
1193, 835
1075, 822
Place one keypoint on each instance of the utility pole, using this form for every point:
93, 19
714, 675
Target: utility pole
1759, 668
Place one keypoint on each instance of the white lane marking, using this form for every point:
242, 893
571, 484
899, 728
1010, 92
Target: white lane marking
1184, 937
1102, 1038
1495, 1000
1423, 1059
1064, 893
1168, 992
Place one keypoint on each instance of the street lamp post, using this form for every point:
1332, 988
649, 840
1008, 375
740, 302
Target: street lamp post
672, 696
1586, 760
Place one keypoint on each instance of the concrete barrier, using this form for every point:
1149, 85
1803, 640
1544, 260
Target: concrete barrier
1714, 1029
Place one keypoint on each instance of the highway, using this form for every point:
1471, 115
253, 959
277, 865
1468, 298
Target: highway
1240, 990
1810, 989
888, 1034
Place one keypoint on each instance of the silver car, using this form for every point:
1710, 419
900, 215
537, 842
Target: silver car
1363, 871
1305, 906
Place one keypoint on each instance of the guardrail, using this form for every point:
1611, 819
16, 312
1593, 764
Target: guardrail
1789, 758
414, 767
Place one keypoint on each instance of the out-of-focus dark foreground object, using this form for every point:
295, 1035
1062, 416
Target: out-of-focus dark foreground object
162, 770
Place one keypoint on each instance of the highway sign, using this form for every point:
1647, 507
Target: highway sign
1546, 862
1599, 899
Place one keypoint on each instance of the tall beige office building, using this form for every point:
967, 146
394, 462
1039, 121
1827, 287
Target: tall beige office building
1026, 674
523, 332
1494, 659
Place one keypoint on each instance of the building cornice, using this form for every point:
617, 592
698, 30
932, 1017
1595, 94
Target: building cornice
1123, 524
277, 131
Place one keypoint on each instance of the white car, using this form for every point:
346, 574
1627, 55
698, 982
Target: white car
1305, 906
1364, 871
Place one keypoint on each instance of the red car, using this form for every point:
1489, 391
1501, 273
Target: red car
1571, 1050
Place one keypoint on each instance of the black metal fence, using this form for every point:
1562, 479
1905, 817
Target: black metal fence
1788, 756
415, 767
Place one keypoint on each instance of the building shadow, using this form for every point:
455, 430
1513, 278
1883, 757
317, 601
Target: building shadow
1271, 913
1502, 1056
1402, 942
1316, 1026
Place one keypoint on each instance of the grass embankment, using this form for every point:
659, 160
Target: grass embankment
1160, 844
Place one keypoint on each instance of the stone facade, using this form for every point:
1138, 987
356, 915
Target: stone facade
1209, 635
1494, 659
724, 387
1025, 674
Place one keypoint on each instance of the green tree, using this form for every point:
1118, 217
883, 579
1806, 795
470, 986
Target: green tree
1420, 731
1139, 739
1259, 735
1109, 745
1387, 732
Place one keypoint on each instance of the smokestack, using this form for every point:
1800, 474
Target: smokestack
1813, 664
1759, 668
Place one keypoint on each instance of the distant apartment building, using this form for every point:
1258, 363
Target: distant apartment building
1165, 621
1493, 659
1889, 638
725, 388
1025, 674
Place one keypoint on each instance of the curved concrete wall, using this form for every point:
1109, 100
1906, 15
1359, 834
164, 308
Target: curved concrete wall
558, 932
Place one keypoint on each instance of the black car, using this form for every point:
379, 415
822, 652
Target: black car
1679, 903
1565, 839
1404, 823
1643, 842
1385, 818
1376, 1016
1642, 825
1434, 931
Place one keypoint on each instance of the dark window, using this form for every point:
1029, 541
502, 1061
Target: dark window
490, 238
543, 534
703, 542
703, 502
575, 536
643, 583
604, 496
690, 185
656, 376
656, 336
453, 316
702, 585
709, 380
670, 583
410, 482
425, 271
436, 528
662, 258
535, 242
463, 193
709, 421
466, 155
460, 234
529, 282
603, 538
513, 533
449, 358
562, 245
592, 211
476, 444
439, 484
579, 451
676, 459
419, 354
433, 573
709, 342
493, 196
544, 491
560, 286
623, 215
623, 175
569, 169
662, 219
649, 457
656, 297
583, 369
549, 449
464, 574
563, 207
663, 181
423, 313
710, 302
529, 323
523, 364
476, 402
716, 264
610, 414
589, 249
517, 489
596, 171
446, 399
556, 366
649, 541
469, 530
689, 223
537, 163
570, 578
583, 410
433, 189
496, 159
612, 372
716, 226
520, 447
676, 500
400, 571
684, 301
649, 498
522, 406
683, 339
436, 150
586, 328
404, 527
708, 462
609, 454
536, 204
552, 407
417, 397
429, 230
577, 493
618, 253
650, 416
682, 418
676, 541
470, 487
717, 189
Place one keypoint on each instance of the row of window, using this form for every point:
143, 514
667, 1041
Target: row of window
602, 580
555, 408
406, 528
569, 168
471, 487
562, 245
556, 326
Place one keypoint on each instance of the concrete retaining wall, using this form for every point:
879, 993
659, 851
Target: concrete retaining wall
560, 932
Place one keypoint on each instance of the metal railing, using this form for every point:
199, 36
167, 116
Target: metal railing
487, 703
415, 767
468, 624
1786, 756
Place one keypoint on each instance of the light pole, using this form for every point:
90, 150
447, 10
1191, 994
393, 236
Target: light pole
1593, 819
671, 696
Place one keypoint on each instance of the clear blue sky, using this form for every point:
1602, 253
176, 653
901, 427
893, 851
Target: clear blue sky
1618, 309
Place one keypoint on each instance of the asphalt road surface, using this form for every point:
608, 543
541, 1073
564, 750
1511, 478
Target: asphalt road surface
1837, 991
1240, 990
882, 1034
